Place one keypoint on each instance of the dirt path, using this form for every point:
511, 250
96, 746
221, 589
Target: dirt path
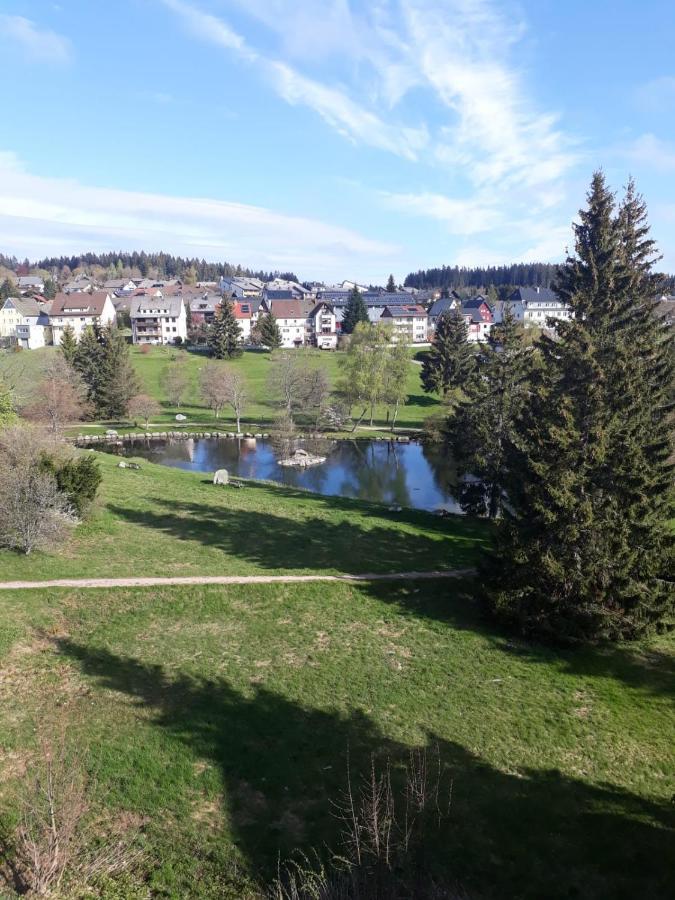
225, 579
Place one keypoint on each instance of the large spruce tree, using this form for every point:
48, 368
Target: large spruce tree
450, 363
88, 361
68, 344
483, 427
118, 378
355, 311
584, 551
225, 336
270, 335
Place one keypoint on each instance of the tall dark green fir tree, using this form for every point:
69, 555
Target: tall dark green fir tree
68, 344
270, 336
584, 552
355, 311
88, 361
391, 285
450, 363
483, 428
118, 377
224, 339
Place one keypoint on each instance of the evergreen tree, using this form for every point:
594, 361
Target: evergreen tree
68, 344
585, 552
483, 427
118, 382
225, 333
49, 289
8, 289
450, 363
355, 311
270, 336
391, 285
88, 361
7, 414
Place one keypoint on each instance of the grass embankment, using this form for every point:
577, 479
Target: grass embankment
219, 720
255, 366
164, 522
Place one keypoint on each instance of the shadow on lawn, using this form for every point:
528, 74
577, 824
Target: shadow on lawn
276, 542
528, 834
640, 666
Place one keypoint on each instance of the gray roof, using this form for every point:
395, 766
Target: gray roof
27, 306
29, 280
527, 294
167, 306
441, 305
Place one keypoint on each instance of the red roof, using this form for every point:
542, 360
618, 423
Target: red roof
242, 310
287, 309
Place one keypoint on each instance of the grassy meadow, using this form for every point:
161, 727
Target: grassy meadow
218, 722
24, 368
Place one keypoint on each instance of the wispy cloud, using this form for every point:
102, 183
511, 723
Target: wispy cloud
41, 215
651, 152
471, 215
657, 95
38, 44
335, 106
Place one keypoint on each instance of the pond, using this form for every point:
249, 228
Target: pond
415, 475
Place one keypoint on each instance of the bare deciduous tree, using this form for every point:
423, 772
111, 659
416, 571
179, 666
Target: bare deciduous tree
60, 837
287, 382
34, 514
60, 396
177, 382
144, 407
222, 386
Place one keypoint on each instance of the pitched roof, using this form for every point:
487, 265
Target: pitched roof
79, 304
474, 302
27, 306
527, 294
287, 309
242, 309
401, 311
441, 305
156, 304
29, 280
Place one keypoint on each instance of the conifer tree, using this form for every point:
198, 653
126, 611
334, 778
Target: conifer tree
68, 344
391, 285
88, 361
270, 336
584, 551
483, 427
225, 333
355, 311
118, 382
450, 363
50, 288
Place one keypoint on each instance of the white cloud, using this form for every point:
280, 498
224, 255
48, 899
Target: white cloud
41, 215
39, 44
460, 216
652, 153
349, 118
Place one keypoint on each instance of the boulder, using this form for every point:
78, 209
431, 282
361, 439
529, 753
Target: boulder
221, 477
121, 464
180, 417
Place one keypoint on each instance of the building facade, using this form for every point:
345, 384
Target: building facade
156, 319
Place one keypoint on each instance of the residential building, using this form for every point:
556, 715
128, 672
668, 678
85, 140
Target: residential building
203, 308
80, 310
156, 319
279, 289
291, 316
499, 308
409, 322
539, 305
23, 311
34, 331
120, 285
324, 326
240, 286
438, 307
30, 283
77, 284
243, 313
479, 318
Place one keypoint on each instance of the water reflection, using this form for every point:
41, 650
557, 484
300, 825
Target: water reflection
414, 475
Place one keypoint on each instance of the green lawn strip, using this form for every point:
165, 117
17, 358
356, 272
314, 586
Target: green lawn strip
165, 522
255, 366
222, 719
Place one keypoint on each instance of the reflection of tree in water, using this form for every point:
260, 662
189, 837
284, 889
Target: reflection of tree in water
443, 468
375, 473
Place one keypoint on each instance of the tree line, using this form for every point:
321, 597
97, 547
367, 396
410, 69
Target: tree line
567, 441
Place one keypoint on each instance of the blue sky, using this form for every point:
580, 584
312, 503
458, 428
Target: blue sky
337, 138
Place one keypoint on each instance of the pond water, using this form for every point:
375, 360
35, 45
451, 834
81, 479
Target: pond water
414, 475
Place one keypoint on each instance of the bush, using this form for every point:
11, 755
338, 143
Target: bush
78, 480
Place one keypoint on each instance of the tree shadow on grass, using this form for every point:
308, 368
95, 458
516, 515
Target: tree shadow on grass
532, 834
640, 666
313, 543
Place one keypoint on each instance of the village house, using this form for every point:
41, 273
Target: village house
279, 289
77, 284
440, 306
120, 285
30, 284
203, 308
31, 316
409, 322
479, 318
539, 305
80, 310
291, 318
240, 286
324, 326
243, 313
156, 319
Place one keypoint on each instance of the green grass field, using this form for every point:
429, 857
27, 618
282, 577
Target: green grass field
219, 720
255, 366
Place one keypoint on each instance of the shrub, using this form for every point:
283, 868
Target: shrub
78, 480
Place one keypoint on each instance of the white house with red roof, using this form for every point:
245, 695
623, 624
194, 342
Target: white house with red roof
243, 313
